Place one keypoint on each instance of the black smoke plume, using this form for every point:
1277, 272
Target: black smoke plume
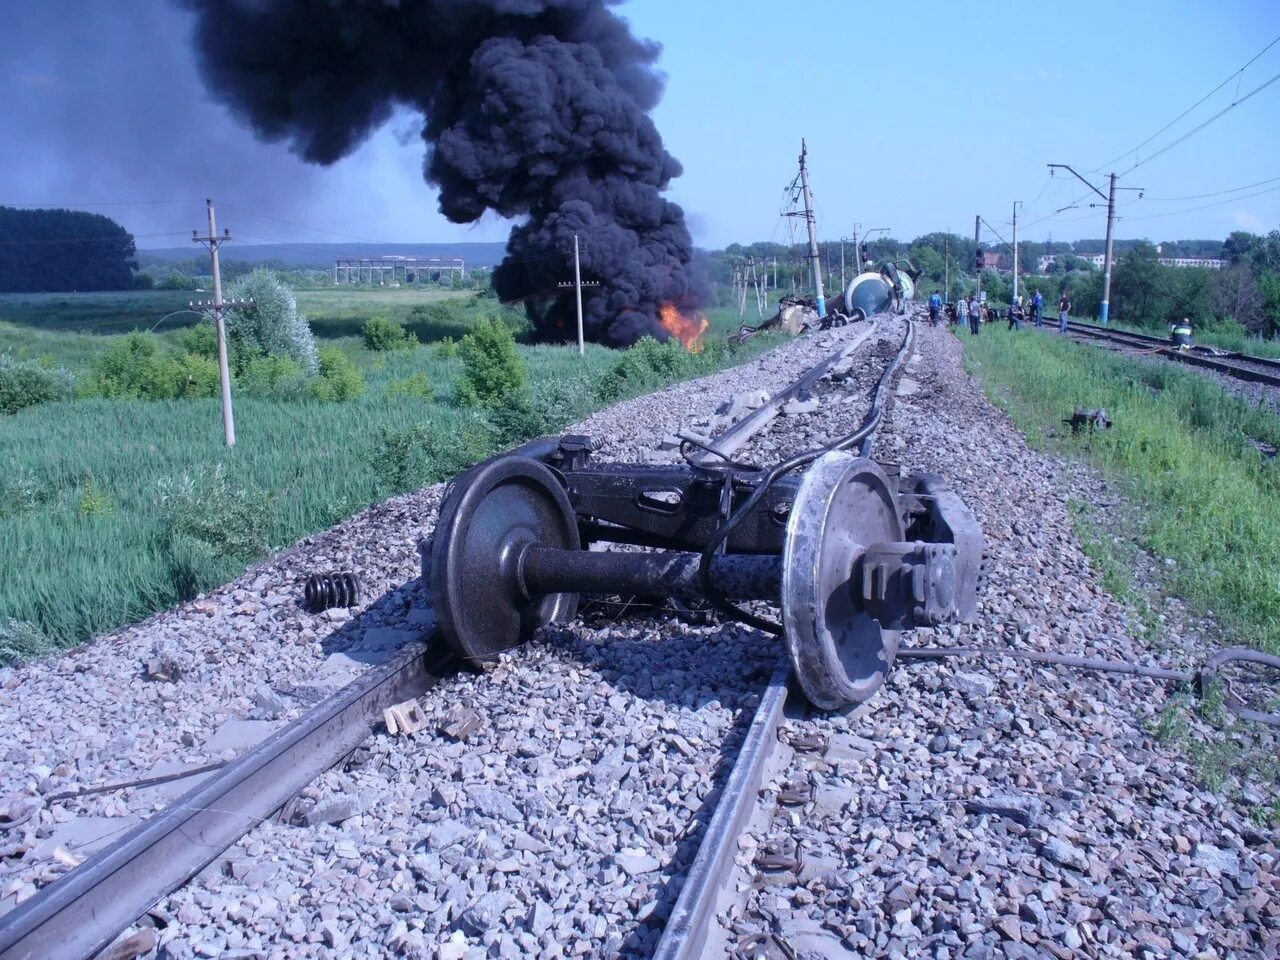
534, 109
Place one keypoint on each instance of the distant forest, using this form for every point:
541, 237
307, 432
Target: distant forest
63, 250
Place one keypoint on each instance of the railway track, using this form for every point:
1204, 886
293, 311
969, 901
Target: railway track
84, 911
693, 930
1238, 366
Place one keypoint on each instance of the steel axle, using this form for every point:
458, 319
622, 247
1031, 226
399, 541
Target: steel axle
507, 557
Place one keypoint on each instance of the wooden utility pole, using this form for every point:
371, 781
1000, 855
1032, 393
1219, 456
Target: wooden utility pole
578, 284
213, 241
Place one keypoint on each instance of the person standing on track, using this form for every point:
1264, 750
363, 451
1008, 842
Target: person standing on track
962, 310
1037, 308
935, 308
1064, 311
975, 315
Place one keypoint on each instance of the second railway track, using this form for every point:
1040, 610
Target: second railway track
1228, 363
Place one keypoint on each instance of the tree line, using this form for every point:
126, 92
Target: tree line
63, 250
1244, 296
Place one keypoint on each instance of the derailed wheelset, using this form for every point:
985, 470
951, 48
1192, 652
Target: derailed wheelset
851, 554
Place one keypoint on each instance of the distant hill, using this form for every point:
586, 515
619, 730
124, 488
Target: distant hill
321, 255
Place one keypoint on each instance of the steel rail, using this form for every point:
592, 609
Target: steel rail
733, 439
81, 913
691, 923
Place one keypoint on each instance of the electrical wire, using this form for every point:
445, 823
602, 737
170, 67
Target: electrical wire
1220, 193
117, 239
1191, 133
1202, 680
1205, 206
1234, 74
862, 437
96, 203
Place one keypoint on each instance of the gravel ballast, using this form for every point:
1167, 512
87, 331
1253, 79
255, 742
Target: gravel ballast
550, 806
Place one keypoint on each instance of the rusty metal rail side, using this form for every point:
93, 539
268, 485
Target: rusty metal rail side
692, 919
733, 439
81, 913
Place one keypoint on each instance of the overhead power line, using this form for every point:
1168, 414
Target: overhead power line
1194, 130
1220, 193
97, 203
1206, 206
1233, 75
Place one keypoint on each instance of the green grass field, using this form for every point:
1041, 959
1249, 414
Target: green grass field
333, 311
1205, 505
108, 508
1187, 451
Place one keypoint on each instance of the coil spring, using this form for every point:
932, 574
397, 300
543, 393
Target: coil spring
326, 590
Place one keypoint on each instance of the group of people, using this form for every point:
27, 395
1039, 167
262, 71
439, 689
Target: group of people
975, 312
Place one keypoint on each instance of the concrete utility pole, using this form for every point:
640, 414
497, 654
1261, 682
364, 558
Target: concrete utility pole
1107, 259
577, 285
213, 241
946, 269
977, 253
1015, 250
813, 230
1110, 197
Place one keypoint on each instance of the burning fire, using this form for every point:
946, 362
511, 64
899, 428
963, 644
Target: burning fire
688, 329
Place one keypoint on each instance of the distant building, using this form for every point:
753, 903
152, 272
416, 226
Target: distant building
1206, 263
1099, 260
394, 270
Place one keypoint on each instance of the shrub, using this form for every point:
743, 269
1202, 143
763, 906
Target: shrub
25, 383
645, 364
492, 370
20, 640
518, 420
197, 376
93, 502
415, 386
381, 334
134, 368
427, 320
201, 340
339, 379
210, 529
413, 457
272, 326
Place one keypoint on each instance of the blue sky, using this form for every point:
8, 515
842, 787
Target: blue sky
917, 117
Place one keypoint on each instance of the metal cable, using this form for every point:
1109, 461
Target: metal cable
864, 435
1201, 680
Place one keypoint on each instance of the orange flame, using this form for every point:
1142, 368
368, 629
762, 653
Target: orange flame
688, 329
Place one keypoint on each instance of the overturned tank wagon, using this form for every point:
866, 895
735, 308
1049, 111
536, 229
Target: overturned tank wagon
875, 291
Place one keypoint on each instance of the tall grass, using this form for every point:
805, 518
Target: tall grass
1189, 454
113, 509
